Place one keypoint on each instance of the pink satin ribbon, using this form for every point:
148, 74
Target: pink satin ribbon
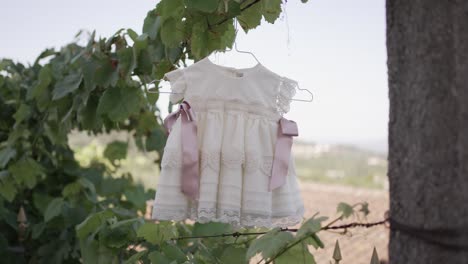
286, 130
190, 180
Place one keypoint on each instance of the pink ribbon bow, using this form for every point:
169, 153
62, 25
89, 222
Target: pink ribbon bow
190, 175
286, 130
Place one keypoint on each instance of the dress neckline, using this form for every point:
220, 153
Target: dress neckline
238, 73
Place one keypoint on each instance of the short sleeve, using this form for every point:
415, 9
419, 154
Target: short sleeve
287, 90
178, 84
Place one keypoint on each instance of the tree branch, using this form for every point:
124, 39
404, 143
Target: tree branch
327, 227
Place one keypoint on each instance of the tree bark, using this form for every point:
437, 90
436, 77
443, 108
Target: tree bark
427, 45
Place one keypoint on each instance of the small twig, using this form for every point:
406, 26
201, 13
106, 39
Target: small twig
235, 234
355, 224
327, 227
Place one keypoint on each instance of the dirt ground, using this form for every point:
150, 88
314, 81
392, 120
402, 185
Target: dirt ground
357, 247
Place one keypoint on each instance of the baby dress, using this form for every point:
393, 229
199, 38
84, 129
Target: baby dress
220, 156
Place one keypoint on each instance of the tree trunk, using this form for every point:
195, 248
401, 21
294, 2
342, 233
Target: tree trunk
427, 45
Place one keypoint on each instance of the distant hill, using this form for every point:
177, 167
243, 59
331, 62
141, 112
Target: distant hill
340, 164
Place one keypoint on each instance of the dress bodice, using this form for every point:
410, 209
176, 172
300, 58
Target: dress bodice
256, 89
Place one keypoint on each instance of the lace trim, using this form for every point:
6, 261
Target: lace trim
231, 216
253, 109
250, 161
286, 92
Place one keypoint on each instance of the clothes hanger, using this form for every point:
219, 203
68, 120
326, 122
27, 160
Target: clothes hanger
154, 90
240, 51
235, 44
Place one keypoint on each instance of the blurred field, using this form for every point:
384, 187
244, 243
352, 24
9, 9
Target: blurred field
318, 163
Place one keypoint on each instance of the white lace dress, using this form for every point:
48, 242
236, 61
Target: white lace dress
237, 113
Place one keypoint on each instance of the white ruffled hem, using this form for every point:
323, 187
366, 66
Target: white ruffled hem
233, 217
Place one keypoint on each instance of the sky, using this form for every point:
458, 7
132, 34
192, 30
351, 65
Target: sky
334, 48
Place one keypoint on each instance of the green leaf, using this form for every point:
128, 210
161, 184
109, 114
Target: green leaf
222, 36
89, 250
106, 75
234, 255
67, 85
118, 103
38, 229
157, 257
44, 54
157, 233
140, 43
26, 171
297, 254
53, 209
345, 209
313, 240
311, 226
171, 8
156, 140
56, 133
229, 36
136, 257
137, 196
251, 17
127, 61
233, 10
199, 40
208, 6
172, 32
131, 221
89, 70
92, 222
152, 24
364, 208
211, 228
271, 10
6, 154
23, 112
132, 34
146, 122
116, 150
71, 189
41, 201
162, 67
88, 116
44, 79
7, 188
269, 244
40, 91
116, 238
156, 52
173, 54
150, 232
94, 252
173, 252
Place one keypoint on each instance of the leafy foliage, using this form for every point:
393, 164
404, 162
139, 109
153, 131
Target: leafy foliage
348, 210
